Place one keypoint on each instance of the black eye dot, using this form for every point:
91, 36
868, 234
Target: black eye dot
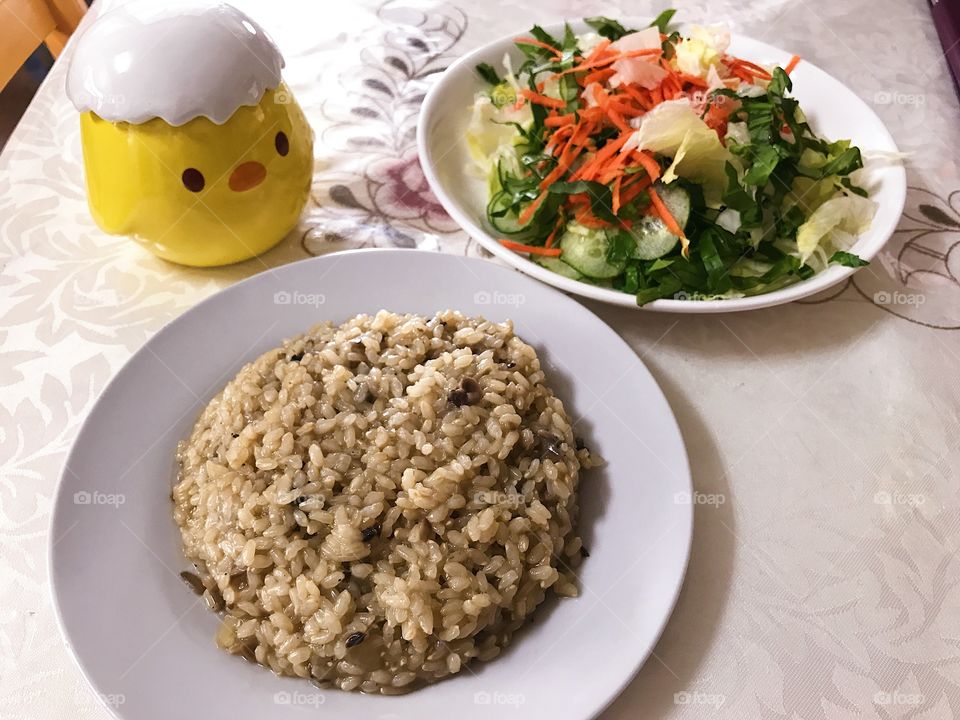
282, 143
192, 179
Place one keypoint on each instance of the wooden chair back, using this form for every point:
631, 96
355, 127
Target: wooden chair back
27, 24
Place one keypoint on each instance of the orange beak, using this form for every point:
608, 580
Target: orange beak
247, 176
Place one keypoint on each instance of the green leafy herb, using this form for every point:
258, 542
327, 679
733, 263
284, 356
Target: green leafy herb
843, 164
620, 248
631, 279
605, 27
669, 45
780, 83
668, 286
662, 20
855, 189
543, 36
741, 200
848, 259
487, 72
764, 162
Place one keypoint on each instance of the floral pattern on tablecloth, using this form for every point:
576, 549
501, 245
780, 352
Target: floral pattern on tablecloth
824, 580
374, 192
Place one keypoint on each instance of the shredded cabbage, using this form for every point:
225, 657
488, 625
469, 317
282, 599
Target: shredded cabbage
737, 132
588, 41
646, 39
809, 194
702, 49
490, 137
836, 222
674, 129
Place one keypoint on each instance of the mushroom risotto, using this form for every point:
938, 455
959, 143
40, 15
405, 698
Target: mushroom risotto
374, 505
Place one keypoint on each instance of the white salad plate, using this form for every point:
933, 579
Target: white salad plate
833, 110
145, 642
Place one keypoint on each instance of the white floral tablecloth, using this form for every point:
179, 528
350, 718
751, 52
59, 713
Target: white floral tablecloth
823, 436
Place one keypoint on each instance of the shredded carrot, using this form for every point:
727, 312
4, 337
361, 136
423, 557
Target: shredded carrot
590, 64
633, 188
559, 120
587, 218
575, 137
558, 135
588, 170
752, 68
530, 209
599, 50
545, 46
692, 80
615, 203
532, 249
553, 233
571, 150
585, 172
643, 52
622, 103
614, 167
742, 73
669, 220
609, 174
613, 113
794, 61
539, 99
626, 103
563, 164
598, 76
617, 118
649, 164
638, 95
592, 114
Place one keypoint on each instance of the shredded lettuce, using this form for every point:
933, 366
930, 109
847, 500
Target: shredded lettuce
491, 138
835, 223
702, 49
674, 129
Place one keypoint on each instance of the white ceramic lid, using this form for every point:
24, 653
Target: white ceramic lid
175, 61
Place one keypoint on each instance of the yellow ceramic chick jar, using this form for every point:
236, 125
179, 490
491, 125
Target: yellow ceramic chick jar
191, 142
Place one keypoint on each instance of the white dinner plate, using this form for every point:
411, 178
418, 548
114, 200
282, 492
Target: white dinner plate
145, 642
833, 110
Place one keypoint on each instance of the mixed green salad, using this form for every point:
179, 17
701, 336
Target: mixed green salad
661, 165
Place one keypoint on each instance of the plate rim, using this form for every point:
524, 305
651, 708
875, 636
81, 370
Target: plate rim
685, 527
827, 278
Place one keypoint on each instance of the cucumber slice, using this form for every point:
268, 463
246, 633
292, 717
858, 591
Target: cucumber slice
585, 249
677, 201
507, 223
653, 238
559, 267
